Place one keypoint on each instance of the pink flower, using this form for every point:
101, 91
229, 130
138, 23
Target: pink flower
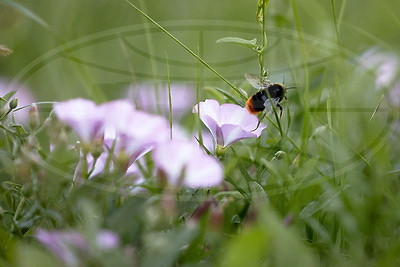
228, 123
70, 246
393, 96
83, 116
107, 240
136, 132
183, 162
384, 64
64, 244
145, 96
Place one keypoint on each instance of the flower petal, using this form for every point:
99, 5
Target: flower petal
233, 133
203, 171
177, 158
83, 116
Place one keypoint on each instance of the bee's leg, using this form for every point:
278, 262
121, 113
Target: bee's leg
259, 121
281, 110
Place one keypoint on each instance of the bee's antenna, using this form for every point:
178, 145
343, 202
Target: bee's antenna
291, 87
283, 79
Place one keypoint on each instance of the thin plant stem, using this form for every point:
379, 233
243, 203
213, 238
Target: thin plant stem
188, 50
169, 96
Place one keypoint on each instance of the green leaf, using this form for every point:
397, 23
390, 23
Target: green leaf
8, 96
240, 41
229, 96
248, 249
19, 129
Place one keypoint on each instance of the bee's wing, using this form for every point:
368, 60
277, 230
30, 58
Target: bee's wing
255, 81
267, 102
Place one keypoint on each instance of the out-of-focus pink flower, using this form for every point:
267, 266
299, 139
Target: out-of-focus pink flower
24, 96
385, 65
83, 116
107, 240
145, 96
393, 96
136, 132
63, 244
183, 162
228, 123
69, 246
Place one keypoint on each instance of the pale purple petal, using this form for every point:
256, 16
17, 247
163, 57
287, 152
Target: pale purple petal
208, 141
211, 124
209, 108
136, 132
63, 244
172, 157
100, 164
203, 171
83, 116
185, 160
146, 95
107, 240
234, 114
228, 123
116, 114
144, 132
385, 64
139, 180
394, 96
233, 133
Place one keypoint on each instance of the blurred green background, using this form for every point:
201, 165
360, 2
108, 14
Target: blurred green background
43, 31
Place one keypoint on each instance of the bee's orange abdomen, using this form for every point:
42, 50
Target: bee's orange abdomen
250, 106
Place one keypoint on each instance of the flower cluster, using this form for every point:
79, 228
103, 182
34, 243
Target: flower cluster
126, 134
68, 246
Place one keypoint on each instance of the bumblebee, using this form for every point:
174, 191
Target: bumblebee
260, 100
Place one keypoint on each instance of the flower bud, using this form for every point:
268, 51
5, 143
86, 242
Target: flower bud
279, 155
220, 151
122, 161
13, 103
34, 119
96, 149
318, 131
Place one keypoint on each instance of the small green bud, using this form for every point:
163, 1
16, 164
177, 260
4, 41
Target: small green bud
318, 131
96, 150
13, 104
220, 151
279, 155
122, 161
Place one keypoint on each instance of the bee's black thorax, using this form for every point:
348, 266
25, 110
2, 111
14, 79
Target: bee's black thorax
276, 92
